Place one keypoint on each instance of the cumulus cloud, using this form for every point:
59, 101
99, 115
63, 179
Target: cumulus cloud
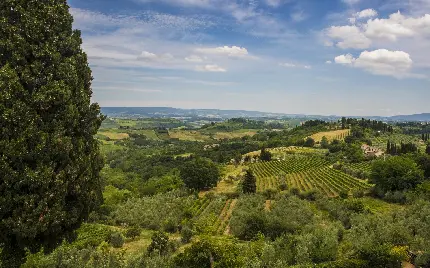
210, 68
361, 36
397, 26
367, 13
348, 37
344, 59
380, 62
233, 51
194, 58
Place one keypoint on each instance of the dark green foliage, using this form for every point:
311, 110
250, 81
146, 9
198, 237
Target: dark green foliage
249, 183
116, 240
49, 160
396, 174
186, 234
324, 143
159, 243
265, 155
343, 194
309, 142
428, 149
133, 232
211, 253
199, 174
91, 235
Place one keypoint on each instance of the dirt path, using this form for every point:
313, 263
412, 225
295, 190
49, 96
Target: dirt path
228, 217
267, 205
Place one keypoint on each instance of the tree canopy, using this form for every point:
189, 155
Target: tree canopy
49, 160
396, 174
199, 174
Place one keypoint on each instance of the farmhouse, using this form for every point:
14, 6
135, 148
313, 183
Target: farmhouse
371, 151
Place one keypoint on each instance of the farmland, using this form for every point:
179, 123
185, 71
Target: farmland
331, 135
306, 174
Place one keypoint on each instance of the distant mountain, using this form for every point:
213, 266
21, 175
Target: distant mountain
160, 112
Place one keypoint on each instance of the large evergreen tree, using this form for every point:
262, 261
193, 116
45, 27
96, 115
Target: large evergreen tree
49, 160
249, 184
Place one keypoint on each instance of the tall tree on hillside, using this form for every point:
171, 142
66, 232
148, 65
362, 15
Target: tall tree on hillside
49, 160
428, 149
200, 174
265, 155
249, 184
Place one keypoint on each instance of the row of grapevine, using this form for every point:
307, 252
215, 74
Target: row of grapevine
264, 183
290, 165
326, 180
225, 216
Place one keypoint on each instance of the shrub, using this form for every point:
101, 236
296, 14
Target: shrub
186, 234
283, 187
270, 193
343, 194
358, 194
294, 191
91, 235
116, 240
133, 232
159, 243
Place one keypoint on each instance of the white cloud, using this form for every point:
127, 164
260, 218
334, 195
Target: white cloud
233, 51
328, 62
210, 68
344, 59
362, 36
194, 58
348, 37
148, 56
367, 13
380, 62
274, 3
397, 26
292, 65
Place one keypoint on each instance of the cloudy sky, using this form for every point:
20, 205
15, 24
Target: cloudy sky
345, 57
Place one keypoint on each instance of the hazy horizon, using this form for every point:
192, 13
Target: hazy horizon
358, 57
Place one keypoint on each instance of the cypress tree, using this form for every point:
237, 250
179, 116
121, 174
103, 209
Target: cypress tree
49, 159
249, 184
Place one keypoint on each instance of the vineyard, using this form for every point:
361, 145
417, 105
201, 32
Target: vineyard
331, 135
309, 173
292, 164
212, 216
327, 181
381, 141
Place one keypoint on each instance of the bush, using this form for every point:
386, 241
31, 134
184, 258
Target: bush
283, 187
270, 193
343, 194
160, 243
395, 197
133, 232
92, 235
116, 240
294, 191
358, 194
186, 234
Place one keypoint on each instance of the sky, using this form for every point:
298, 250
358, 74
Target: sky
343, 57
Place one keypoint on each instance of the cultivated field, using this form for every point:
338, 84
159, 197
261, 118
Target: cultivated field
114, 135
331, 135
187, 135
305, 174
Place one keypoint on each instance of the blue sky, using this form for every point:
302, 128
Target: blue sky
344, 57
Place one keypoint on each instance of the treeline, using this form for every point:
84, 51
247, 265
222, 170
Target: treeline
366, 123
403, 148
